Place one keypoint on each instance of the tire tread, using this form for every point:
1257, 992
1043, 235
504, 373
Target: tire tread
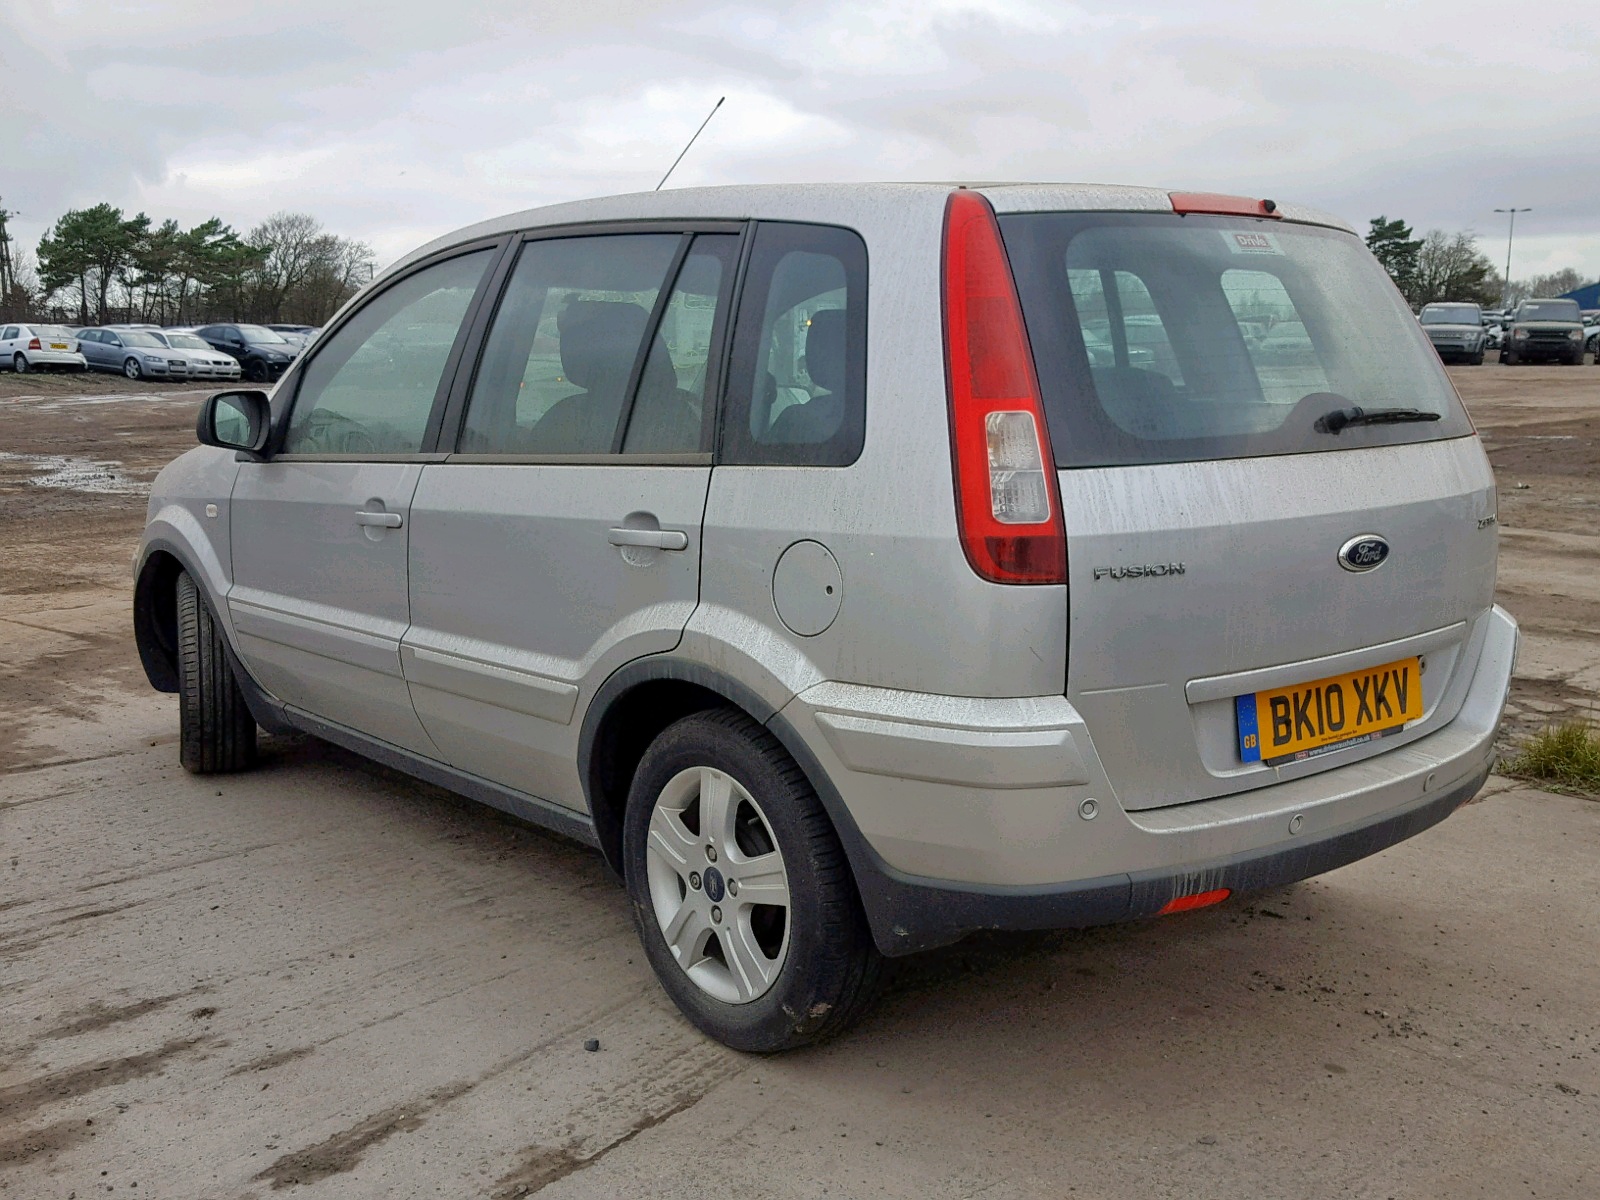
216, 732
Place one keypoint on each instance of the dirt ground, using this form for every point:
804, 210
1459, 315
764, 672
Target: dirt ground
322, 976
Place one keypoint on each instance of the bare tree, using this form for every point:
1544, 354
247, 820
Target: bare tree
1451, 267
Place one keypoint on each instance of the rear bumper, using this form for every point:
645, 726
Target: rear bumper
955, 824
55, 358
921, 914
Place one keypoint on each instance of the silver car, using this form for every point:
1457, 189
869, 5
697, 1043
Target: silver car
25, 347
136, 353
201, 361
796, 547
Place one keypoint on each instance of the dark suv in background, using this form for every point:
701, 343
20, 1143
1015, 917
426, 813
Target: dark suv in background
1542, 331
262, 354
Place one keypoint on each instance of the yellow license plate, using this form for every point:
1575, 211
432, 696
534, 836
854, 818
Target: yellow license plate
58, 345
1308, 719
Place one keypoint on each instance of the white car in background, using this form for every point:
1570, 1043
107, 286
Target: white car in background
204, 362
32, 347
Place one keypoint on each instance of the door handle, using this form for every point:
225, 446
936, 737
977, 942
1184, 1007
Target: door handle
384, 520
656, 539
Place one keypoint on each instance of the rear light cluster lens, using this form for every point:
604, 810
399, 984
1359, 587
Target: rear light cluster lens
35, 344
1007, 506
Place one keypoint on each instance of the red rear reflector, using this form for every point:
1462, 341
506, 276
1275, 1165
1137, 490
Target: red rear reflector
1198, 900
1224, 206
1007, 506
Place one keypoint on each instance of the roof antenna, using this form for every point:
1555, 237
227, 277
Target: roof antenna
697, 133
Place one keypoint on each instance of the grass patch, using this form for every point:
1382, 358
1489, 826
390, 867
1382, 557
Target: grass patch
1567, 755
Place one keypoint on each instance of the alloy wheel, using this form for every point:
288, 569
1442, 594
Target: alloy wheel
718, 885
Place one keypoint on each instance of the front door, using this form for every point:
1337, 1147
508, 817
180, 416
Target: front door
320, 531
563, 539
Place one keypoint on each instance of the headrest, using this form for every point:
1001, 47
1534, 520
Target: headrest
825, 349
598, 341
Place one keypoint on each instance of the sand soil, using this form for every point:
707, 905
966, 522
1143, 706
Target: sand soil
322, 976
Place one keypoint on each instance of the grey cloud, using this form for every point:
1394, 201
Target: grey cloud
395, 122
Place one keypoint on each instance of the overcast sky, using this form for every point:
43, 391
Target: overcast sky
396, 120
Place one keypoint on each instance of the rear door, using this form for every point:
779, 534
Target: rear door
562, 539
1237, 531
320, 532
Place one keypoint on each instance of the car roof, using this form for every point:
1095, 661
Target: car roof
833, 203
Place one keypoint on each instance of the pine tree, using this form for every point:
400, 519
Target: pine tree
1392, 245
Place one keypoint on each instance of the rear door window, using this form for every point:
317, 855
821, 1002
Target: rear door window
798, 380
1167, 338
560, 357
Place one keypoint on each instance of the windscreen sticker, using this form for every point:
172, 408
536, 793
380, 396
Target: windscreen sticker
1242, 241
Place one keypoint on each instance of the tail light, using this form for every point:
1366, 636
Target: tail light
35, 345
1007, 506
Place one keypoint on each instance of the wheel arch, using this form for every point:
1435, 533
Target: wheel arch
155, 615
628, 712
155, 628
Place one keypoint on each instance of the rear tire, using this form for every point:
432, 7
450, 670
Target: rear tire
216, 732
783, 984
19, 364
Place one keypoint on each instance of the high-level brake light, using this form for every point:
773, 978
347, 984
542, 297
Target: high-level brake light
1007, 505
1221, 205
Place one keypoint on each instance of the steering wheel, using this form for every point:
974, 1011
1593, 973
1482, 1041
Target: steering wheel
333, 432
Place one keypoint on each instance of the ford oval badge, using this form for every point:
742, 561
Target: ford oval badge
1365, 552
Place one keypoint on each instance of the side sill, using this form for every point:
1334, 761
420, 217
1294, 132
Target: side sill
575, 825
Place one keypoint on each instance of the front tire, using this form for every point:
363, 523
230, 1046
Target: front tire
132, 369
216, 732
1509, 358
740, 890
256, 371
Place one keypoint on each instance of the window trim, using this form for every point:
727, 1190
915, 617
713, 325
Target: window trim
453, 424
289, 386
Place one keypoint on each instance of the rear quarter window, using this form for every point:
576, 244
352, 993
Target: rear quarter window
797, 382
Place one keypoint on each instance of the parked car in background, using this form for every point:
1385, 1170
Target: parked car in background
1456, 331
788, 638
1544, 331
296, 335
26, 348
261, 354
204, 362
1591, 333
136, 353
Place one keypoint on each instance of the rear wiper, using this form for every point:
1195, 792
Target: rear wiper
1336, 420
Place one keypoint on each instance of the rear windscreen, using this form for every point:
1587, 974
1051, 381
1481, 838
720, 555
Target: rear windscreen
1167, 338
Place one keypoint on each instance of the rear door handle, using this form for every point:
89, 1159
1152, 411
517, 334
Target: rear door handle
657, 539
385, 520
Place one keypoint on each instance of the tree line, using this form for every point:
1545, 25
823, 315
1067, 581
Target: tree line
99, 265
1449, 266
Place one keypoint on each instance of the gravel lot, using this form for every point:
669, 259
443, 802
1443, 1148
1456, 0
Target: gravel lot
322, 976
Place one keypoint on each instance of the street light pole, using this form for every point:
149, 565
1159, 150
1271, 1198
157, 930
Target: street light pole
1505, 296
